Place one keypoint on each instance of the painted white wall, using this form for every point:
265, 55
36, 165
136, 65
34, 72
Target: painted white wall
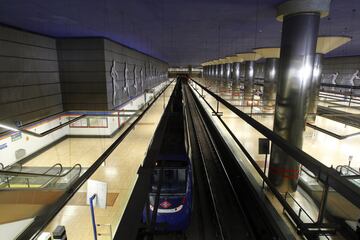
31, 144
9, 231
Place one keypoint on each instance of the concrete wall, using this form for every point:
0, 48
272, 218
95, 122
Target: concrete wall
345, 66
143, 72
85, 70
29, 78
82, 73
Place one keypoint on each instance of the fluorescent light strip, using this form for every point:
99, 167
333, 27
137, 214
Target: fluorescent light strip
9, 128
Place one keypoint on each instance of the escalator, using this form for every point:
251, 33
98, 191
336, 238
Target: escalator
24, 191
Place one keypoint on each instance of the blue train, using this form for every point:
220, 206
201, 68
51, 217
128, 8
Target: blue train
173, 173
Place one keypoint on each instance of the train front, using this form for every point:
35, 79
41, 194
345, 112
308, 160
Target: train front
174, 209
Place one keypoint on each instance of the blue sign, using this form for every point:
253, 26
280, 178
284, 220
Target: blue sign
16, 136
3, 146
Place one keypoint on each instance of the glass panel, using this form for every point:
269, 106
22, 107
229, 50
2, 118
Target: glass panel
174, 180
311, 195
36, 171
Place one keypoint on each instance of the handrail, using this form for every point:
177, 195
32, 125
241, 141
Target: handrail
25, 174
272, 188
15, 164
65, 124
339, 168
310, 174
337, 95
301, 209
2, 166
340, 86
297, 203
52, 129
325, 174
57, 164
57, 178
34, 229
321, 84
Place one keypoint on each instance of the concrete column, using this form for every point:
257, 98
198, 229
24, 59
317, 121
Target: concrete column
242, 70
298, 45
270, 79
222, 71
227, 71
249, 79
236, 71
315, 88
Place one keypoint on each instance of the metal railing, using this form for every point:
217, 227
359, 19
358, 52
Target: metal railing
327, 176
346, 170
34, 229
301, 210
10, 175
47, 132
322, 172
57, 164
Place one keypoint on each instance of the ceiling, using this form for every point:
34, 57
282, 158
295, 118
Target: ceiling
180, 32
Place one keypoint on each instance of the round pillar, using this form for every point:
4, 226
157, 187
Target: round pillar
242, 70
315, 88
227, 71
249, 79
221, 71
235, 71
298, 45
270, 79
217, 72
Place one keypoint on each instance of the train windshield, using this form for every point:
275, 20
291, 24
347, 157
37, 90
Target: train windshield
173, 180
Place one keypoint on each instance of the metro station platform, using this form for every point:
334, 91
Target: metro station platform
194, 120
62, 154
119, 172
336, 147
331, 147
